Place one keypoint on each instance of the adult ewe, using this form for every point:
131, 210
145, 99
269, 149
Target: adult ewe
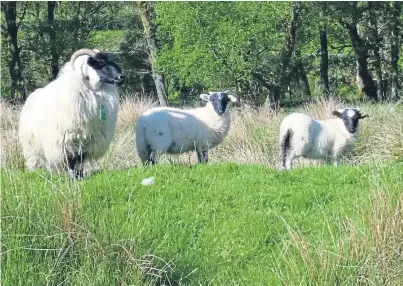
73, 118
300, 135
174, 130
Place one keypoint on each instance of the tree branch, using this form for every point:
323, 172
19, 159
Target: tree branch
23, 15
260, 78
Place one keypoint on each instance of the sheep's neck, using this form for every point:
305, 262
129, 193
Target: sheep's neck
222, 123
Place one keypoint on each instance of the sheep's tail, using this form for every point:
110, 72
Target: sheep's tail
285, 145
143, 149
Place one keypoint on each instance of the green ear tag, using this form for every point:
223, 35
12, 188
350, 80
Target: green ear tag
102, 113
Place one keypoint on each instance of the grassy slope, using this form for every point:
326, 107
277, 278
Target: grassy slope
224, 224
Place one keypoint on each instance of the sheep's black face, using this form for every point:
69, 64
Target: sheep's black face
350, 117
107, 71
220, 101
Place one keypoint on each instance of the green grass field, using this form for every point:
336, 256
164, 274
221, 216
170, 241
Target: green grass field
216, 224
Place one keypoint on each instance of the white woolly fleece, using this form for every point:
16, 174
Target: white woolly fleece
317, 139
174, 130
63, 118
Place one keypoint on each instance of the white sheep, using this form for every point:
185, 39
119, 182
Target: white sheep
173, 130
300, 135
73, 118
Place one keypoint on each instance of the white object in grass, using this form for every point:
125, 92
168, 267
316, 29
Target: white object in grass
148, 181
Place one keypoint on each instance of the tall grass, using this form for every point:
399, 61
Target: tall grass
10, 149
366, 252
217, 224
253, 137
57, 221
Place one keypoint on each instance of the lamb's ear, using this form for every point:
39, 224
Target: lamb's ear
337, 114
205, 97
363, 116
232, 98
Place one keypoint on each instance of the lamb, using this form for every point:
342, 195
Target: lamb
300, 135
173, 130
73, 118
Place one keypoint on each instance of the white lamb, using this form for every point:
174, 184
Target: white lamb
173, 130
300, 135
73, 118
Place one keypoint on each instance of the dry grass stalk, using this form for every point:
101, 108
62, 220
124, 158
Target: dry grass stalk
253, 137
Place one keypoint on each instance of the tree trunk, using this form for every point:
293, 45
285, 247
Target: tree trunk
144, 9
358, 80
305, 81
276, 90
394, 49
375, 46
324, 55
54, 62
17, 82
361, 55
301, 74
273, 98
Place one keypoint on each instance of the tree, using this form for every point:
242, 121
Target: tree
149, 31
324, 55
17, 82
375, 43
227, 45
360, 47
394, 48
54, 63
283, 67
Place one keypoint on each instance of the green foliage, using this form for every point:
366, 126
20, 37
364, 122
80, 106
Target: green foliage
215, 45
222, 224
107, 40
218, 45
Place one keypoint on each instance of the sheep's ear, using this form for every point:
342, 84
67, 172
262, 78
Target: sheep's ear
205, 97
363, 116
337, 113
232, 98
212, 92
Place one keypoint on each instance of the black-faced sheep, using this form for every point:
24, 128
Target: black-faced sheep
174, 130
300, 135
73, 118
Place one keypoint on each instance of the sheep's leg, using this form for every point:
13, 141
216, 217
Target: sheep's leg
335, 158
153, 158
288, 163
75, 166
202, 156
335, 161
80, 166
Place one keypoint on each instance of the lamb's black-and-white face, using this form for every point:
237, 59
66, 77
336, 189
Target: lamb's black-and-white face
350, 117
104, 70
219, 100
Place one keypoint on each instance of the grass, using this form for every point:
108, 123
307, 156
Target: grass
236, 221
218, 224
